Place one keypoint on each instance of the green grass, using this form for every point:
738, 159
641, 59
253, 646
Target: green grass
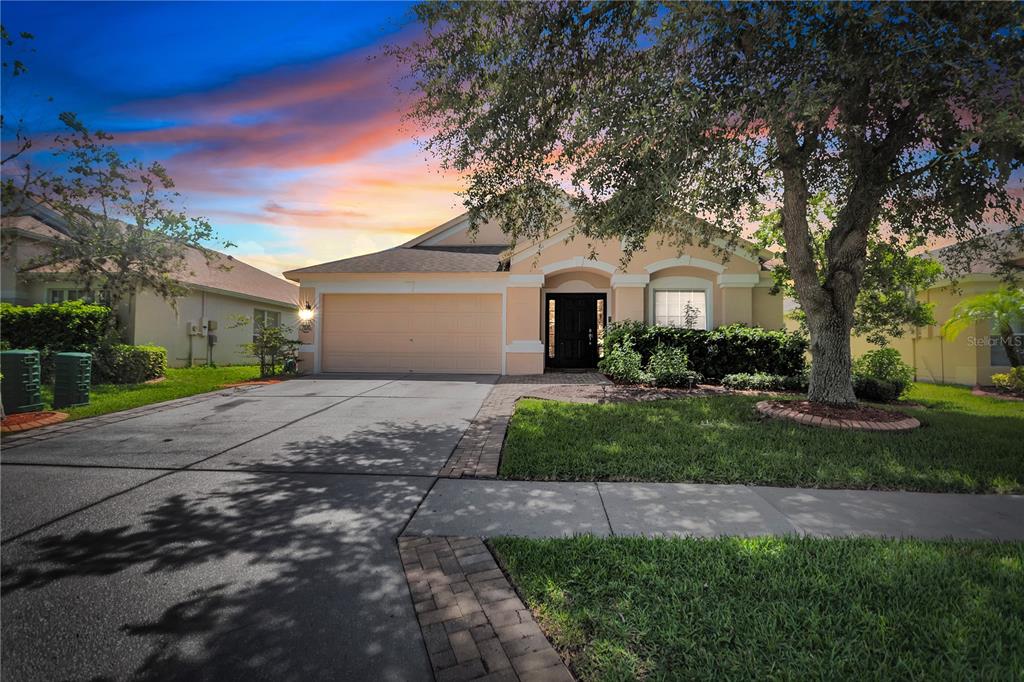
966, 444
106, 398
776, 608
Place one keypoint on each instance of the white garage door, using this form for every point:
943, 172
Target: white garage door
458, 333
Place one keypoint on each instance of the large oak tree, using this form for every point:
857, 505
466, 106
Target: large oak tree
685, 119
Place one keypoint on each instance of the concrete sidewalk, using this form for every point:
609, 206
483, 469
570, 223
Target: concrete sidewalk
480, 508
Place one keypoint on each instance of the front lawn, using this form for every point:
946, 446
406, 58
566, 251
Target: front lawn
106, 398
966, 444
776, 608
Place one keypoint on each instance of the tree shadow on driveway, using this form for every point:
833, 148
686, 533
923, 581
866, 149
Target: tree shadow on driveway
387, 448
221, 575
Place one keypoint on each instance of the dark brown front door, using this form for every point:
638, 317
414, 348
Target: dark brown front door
572, 330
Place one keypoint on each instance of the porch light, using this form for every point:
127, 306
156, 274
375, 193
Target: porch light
306, 315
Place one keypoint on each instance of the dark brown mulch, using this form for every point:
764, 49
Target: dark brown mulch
1000, 393
861, 413
23, 421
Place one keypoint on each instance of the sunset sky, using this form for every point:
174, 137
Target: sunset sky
281, 122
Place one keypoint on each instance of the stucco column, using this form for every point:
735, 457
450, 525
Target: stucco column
524, 345
307, 337
737, 298
628, 292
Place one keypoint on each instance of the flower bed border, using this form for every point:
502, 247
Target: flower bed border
42, 418
779, 410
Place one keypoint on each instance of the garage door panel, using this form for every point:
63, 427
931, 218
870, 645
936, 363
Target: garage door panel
412, 333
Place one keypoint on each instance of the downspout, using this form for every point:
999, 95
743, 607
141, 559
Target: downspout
942, 358
913, 355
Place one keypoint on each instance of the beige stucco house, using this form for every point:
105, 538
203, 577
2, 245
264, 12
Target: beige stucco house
197, 329
448, 301
974, 355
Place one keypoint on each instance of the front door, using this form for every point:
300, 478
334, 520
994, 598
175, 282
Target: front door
573, 329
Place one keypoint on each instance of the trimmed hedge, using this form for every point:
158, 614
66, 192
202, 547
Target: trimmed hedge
733, 349
759, 381
123, 364
74, 326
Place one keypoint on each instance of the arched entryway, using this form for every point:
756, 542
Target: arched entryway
576, 310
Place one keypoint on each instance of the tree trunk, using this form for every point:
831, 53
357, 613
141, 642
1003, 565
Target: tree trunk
831, 359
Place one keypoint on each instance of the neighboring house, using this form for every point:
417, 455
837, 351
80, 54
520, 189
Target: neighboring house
451, 302
216, 295
973, 357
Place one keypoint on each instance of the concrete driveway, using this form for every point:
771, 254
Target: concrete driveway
250, 535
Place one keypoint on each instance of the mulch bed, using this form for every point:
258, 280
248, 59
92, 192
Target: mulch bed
23, 421
996, 393
862, 417
254, 382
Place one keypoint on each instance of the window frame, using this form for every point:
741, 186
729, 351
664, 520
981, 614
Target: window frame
66, 294
261, 315
682, 284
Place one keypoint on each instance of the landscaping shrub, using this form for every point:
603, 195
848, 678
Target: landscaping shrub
760, 381
123, 364
74, 326
714, 354
1011, 381
882, 366
875, 390
624, 364
668, 367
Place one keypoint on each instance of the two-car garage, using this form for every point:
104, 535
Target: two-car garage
443, 333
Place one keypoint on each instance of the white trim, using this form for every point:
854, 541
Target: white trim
317, 324
578, 262
525, 347
413, 286
526, 280
740, 249
460, 226
619, 281
683, 284
237, 294
447, 228
734, 281
685, 260
308, 348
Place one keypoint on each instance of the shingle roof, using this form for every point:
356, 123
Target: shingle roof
416, 259
236, 276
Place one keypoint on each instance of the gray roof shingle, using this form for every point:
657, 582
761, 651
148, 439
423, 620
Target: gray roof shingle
416, 259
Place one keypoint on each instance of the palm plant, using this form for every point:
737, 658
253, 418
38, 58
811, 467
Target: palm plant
1003, 308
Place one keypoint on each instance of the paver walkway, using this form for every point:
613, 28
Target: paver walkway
480, 508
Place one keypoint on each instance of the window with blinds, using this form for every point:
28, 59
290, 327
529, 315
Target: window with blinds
681, 309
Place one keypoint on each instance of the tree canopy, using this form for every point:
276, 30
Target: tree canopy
685, 119
125, 231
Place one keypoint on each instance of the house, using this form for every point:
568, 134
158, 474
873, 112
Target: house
971, 358
448, 301
197, 329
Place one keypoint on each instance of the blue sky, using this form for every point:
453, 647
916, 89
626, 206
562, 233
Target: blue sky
278, 121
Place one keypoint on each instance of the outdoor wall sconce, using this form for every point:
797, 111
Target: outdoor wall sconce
306, 315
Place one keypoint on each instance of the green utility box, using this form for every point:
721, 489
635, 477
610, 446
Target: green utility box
20, 385
73, 372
